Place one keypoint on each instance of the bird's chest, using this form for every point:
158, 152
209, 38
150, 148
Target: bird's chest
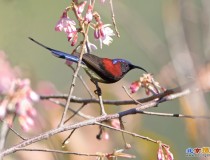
113, 69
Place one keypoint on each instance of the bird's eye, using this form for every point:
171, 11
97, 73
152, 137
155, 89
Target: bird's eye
126, 65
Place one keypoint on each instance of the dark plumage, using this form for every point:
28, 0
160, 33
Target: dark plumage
102, 70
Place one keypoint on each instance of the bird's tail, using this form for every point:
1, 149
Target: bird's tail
57, 53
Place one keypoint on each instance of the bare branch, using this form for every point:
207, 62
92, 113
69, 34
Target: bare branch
56, 151
166, 96
118, 102
129, 133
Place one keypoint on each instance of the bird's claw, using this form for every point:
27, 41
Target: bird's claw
98, 92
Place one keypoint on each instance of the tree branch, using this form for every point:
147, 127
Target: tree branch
75, 99
166, 96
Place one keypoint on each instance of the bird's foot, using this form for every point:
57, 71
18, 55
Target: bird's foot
98, 92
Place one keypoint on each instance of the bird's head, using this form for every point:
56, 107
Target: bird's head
126, 66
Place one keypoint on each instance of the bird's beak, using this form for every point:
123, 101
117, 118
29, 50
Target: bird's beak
139, 68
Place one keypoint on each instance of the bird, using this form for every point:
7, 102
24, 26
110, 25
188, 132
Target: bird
102, 70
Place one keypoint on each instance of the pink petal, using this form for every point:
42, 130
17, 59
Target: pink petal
23, 124
69, 63
2, 111
74, 41
81, 7
160, 154
115, 123
96, 34
105, 136
134, 87
89, 14
59, 27
33, 96
31, 112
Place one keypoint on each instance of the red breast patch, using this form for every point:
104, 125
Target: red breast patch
113, 69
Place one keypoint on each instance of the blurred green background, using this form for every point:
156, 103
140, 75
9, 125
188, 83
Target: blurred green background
143, 27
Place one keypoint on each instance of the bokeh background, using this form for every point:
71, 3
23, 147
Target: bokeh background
170, 38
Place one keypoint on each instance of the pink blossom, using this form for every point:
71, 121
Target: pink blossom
68, 26
164, 152
72, 37
80, 7
169, 154
65, 24
3, 108
160, 153
105, 135
115, 123
16, 95
7, 73
33, 96
148, 83
89, 14
26, 122
134, 87
103, 33
19, 101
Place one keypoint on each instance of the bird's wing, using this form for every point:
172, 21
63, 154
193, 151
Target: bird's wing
95, 64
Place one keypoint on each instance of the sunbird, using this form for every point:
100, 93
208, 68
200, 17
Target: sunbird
103, 70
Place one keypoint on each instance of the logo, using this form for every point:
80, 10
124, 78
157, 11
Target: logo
198, 152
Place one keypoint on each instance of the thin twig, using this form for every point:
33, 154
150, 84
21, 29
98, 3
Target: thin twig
127, 132
127, 145
56, 151
99, 135
84, 83
85, 34
75, 113
113, 18
126, 91
14, 131
72, 110
175, 115
66, 140
103, 112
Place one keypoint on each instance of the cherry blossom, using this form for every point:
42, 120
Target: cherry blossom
80, 8
103, 33
164, 152
134, 87
68, 26
148, 83
89, 14
16, 96
65, 24
7, 73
